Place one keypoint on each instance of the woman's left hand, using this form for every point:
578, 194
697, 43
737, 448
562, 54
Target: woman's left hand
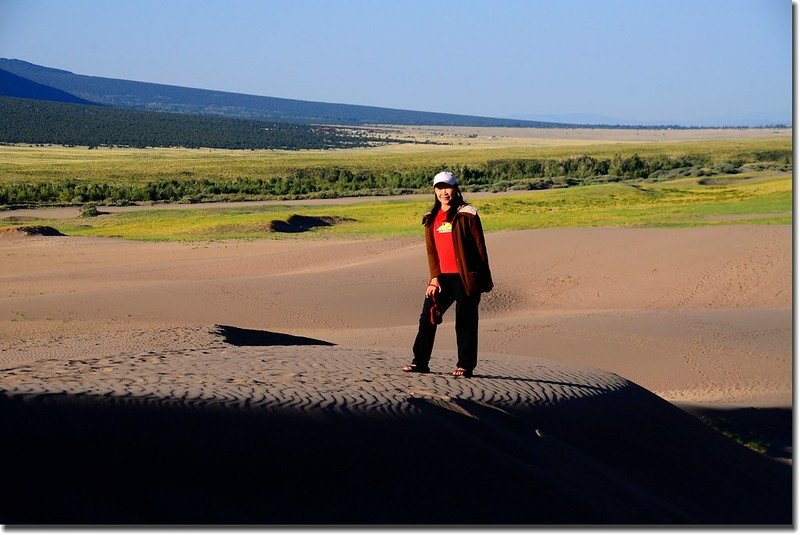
432, 288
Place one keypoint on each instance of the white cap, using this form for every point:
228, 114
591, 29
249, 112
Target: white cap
445, 177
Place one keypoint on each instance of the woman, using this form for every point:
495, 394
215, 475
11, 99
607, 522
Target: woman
459, 268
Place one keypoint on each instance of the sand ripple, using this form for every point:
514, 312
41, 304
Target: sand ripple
321, 379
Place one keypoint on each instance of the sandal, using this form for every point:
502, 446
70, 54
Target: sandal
416, 369
462, 372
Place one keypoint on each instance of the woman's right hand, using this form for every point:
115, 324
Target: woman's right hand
432, 288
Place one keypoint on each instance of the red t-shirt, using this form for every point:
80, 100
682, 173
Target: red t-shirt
443, 238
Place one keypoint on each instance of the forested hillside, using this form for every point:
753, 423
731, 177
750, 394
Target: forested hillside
39, 121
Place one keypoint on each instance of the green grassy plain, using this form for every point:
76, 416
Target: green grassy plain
757, 194
35, 164
753, 198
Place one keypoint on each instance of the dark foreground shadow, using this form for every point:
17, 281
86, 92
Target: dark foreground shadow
619, 458
250, 337
81, 460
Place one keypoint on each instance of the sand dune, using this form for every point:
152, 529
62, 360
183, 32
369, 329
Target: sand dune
156, 377
325, 434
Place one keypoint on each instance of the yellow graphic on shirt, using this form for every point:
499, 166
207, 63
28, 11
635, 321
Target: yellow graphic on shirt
445, 228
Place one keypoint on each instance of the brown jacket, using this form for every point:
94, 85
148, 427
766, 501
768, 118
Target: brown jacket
470, 249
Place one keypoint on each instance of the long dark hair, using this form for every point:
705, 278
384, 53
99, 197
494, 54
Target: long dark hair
455, 203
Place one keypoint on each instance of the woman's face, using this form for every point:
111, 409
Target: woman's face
444, 193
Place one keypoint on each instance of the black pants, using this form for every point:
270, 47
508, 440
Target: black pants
466, 323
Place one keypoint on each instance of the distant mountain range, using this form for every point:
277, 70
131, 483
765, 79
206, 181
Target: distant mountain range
26, 80
21, 79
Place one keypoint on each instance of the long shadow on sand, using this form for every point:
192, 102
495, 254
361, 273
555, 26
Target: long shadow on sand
541, 381
250, 337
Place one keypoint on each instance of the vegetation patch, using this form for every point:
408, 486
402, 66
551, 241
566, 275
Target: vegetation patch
767, 431
90, 210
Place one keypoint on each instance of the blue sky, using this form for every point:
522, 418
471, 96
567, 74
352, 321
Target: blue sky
634, 61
